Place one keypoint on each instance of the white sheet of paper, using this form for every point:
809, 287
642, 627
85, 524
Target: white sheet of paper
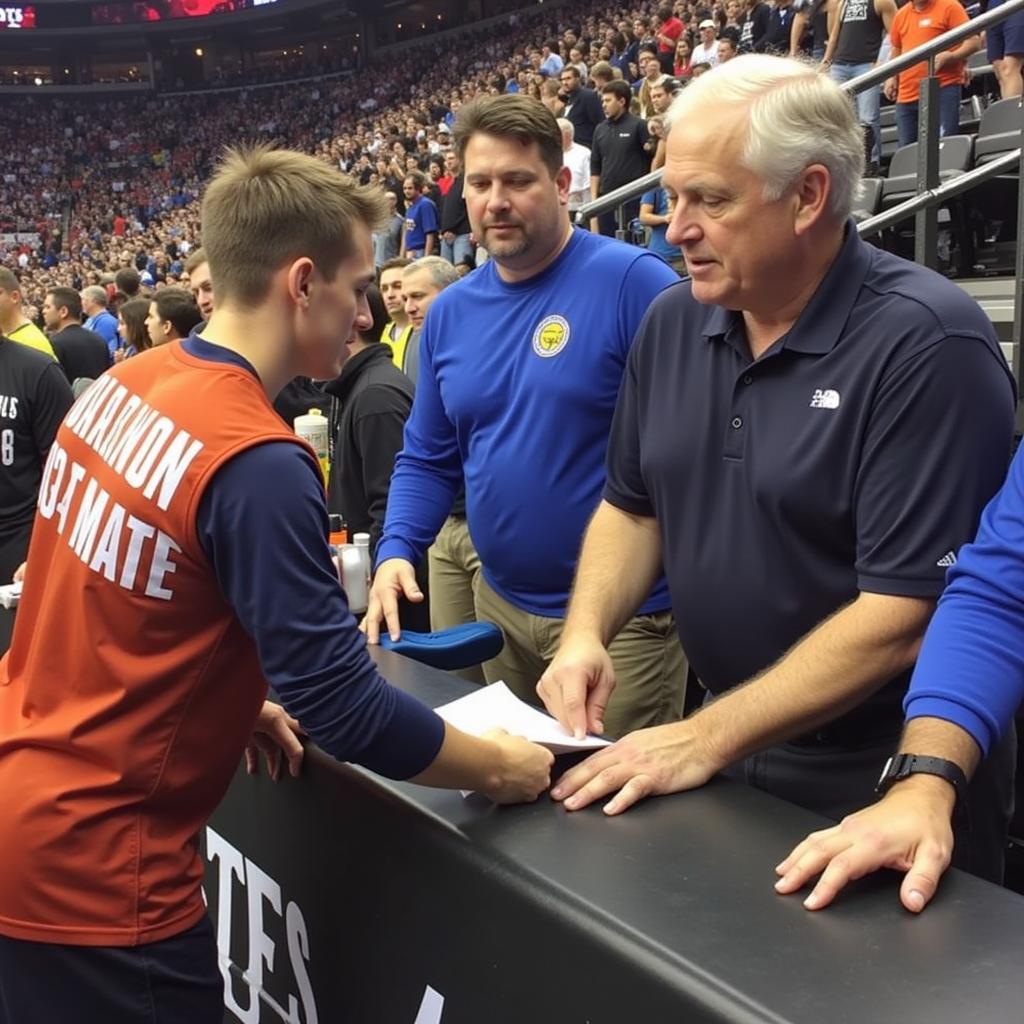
496, 706
10, 595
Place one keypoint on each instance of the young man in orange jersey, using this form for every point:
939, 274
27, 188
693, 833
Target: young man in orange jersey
180, 583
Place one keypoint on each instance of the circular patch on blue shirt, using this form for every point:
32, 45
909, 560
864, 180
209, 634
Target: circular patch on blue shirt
551, 336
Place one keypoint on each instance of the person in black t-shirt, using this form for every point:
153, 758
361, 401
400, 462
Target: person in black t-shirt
34, 397
81, 353
619, 153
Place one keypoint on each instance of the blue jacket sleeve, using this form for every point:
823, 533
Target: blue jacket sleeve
428, 469
971, 668
268, 548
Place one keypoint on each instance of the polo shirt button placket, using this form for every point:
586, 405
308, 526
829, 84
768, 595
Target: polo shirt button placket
737, 422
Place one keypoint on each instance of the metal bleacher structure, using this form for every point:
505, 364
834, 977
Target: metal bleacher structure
953, 204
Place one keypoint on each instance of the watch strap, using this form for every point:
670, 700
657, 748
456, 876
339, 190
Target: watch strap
901, 766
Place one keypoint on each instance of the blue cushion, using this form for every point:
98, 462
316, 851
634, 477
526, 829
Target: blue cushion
450, 649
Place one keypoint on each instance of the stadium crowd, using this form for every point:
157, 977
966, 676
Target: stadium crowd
116, 182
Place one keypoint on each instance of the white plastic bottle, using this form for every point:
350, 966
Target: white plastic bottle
353, 577
362, 542
314, 429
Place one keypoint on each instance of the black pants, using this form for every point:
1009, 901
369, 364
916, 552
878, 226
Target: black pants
607, 223
175, 981
835, 781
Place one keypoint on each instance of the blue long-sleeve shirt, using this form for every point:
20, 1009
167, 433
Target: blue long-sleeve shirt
971, 667
516, 390
263, 523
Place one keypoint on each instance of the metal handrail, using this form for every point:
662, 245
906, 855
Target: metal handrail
926, 51
1008, 162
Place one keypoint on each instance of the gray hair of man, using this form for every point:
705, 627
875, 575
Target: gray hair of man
95, 293
567, 127
797, 116
442, 273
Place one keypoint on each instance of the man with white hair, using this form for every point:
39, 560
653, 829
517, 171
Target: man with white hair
104, 323
807, 432
577, 159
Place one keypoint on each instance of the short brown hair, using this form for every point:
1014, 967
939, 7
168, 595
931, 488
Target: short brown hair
398, 263
522, 118
620, 90
602, 69
9, 280
196, 258
177, 307
67, 298
266, 207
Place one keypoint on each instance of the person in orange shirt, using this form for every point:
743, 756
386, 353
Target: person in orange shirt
918, 22
178, 564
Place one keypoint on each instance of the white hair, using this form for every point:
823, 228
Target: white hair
797, 116
441, 272
568, 128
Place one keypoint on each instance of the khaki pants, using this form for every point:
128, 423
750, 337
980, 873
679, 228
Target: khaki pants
650, 668
454, 568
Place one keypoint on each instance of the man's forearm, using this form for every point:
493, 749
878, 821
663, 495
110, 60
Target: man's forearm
618, 565
832, 670
935, 737
595, 184
428, 246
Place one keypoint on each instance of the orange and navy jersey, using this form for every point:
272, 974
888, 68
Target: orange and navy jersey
130, 687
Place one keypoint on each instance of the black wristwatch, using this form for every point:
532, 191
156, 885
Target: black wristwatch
900, 766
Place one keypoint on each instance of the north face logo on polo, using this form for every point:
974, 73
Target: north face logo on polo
948, 559
827, 399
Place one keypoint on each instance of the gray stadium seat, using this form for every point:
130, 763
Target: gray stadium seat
999, 131
955, 152
868, 197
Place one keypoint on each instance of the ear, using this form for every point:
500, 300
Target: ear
811, 197
299, 280
563, 179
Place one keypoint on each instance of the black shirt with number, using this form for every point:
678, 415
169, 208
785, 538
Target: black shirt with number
81, 353
34, 398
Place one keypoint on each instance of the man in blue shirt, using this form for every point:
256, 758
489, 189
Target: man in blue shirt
421, 225
656, 214
520, 364
807, 432
94, 305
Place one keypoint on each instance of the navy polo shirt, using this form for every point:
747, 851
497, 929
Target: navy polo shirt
856, 454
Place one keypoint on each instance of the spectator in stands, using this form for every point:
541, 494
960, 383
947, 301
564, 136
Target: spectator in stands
128, 282
809, 706
387, 240
683, 66
577, 159
653, 76
551, 62
456, 233
809, 31
669, 31
494, 414
173, 314
420, 286
656, 215
419, 238
619, 154
372, 399
601, 74
98, 318
81, 353
706, 50
200, 284
398, 330
853, 49
780, 29
1005, 43
35, 398
918, 22
727, 49
13, 322
449, 172
131, 325
582, 105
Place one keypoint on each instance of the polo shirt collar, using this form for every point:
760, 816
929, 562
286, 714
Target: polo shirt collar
820, 326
